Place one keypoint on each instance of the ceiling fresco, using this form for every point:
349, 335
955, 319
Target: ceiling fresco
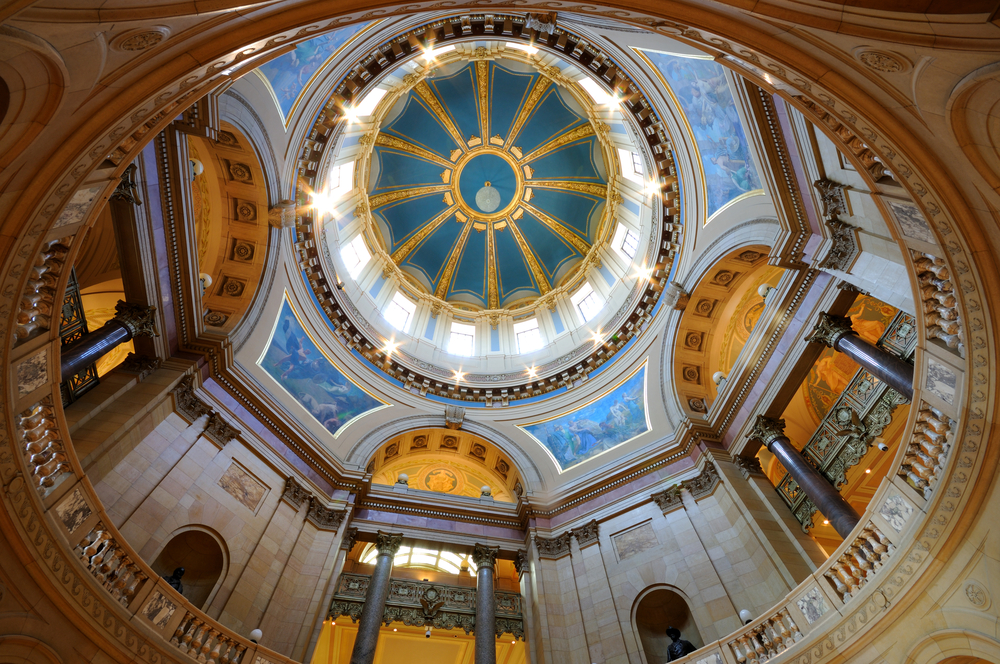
290, 74
487, 183
702, 91
297, 364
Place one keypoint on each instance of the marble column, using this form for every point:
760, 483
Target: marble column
837, 333
130, 321
378, 590
842, 516
486, 606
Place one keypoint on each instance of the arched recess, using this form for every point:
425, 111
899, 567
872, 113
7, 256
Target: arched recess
447, 461
657, 608
974, 111
717, 322
955, 646
35, 79
235, 110
21, 649
366, 449
203, 555
230, 210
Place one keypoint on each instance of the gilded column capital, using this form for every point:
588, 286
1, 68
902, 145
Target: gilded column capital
766, 429
830, 329
485, 555
139, 319
388, 543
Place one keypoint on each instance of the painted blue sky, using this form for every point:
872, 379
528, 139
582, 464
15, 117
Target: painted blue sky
706, 99
289, 74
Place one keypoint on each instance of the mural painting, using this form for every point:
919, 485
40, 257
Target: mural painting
701, 89
615, 418
289, 74
833, 371
293, 360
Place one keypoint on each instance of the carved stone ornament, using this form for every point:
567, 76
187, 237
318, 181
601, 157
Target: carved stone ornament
295, 493
484, 555
748, 466
701, 485
219, 431
454, 416
830, 329
766, 429
128, 189
139, 39
675, 296
544, 24
668, 499
324, 518
188, 403
282, 215
882, 61
845, 248
140, 320
587, 534
831, 195
555, 547
521, 563
350, 537
240, 172
140, 364
388, 543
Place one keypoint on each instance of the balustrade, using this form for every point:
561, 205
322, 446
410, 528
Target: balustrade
937, 292
199, 640
42, 446
763, 640
859, 562
37, 303
928, 449
110, 564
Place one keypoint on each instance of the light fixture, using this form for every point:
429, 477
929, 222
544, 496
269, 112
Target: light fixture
746, 617
532, 372
459, 375
826, 522
868, 470
394, 629
643, 273
598, 337
390, 346
256, 635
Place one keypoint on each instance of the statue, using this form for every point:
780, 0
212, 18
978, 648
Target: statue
174, 580
679, 648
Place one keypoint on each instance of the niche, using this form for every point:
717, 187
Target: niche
657, 610
204, 562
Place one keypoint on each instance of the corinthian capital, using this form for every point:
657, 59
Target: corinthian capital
139, 320
766, 429
485, 555
388, 543
830, 329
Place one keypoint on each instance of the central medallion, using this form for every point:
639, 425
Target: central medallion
488, 185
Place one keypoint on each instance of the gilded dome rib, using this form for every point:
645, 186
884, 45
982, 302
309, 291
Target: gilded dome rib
435, 104
541, 85
400, 254
564, 139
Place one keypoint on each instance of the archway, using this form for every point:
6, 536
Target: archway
656, 611
204, 561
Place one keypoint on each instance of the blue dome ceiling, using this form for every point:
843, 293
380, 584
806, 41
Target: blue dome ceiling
487, 183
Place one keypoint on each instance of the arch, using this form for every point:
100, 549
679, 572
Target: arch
22, 649
366, 448
237, 111
955, 646
204, 556
654, 609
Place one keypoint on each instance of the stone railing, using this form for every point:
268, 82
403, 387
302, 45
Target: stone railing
766, 638
419, 603
928, 449
200, 640
42, 447
857, 565
937, 294
38, 302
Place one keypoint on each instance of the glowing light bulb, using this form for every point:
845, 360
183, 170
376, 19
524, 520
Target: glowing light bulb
391, 345
867, 470
826, 522
532, 372
598, 337
459, 375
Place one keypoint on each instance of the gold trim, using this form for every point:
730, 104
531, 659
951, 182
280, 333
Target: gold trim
482, 79
570, 136
428, 96
386, 141
541, 85
400, 254
449, 268
493, 298
599, 190
457, 179
543, 282
378, 200
605, 393
566, 234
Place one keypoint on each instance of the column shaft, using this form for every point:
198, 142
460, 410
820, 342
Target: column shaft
842, 516
885, 366
486, 605
91, 347
378, 591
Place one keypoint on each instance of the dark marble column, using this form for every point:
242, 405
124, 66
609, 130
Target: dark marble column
486, 606
378, 589
130, 321
837, 333
842, 516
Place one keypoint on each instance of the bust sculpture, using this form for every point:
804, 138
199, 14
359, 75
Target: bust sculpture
679, 648
174, 580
